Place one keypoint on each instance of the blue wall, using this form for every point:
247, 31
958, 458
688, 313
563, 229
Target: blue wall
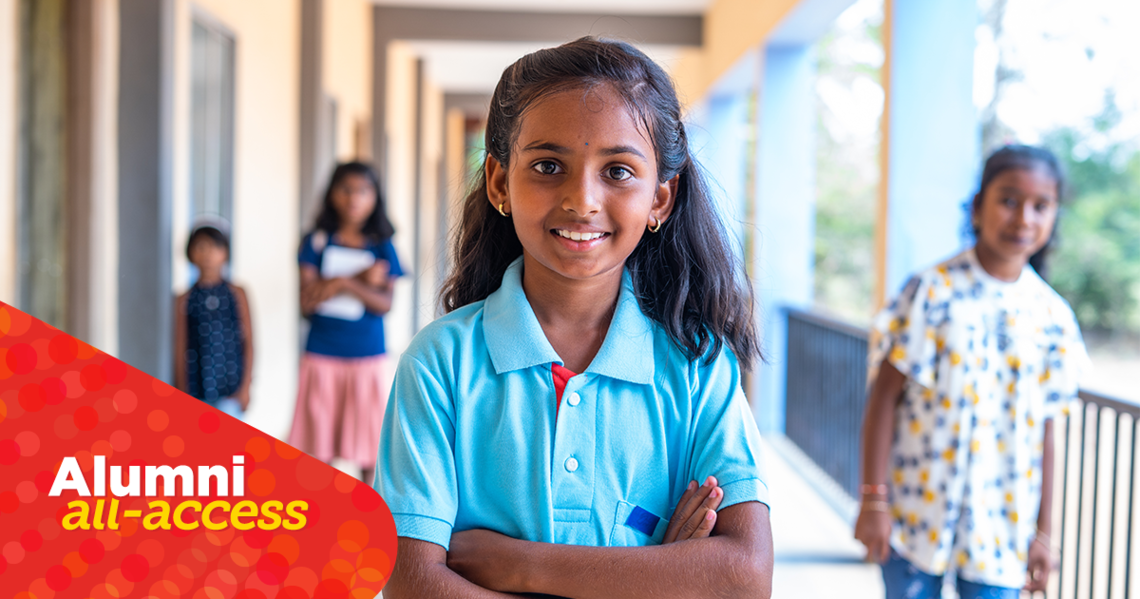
933, 138
785, 212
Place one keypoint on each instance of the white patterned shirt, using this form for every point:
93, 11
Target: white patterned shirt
987, 362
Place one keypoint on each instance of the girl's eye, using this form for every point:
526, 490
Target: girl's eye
1009, 202
618, 173
1042, 206
547, 167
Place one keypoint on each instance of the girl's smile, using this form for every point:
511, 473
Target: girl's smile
581, 187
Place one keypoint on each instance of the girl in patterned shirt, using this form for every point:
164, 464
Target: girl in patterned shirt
973, 360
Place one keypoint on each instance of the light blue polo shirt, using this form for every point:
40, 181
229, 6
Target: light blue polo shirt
470, 438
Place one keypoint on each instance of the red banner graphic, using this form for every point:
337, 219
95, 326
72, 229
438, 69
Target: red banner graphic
115, 485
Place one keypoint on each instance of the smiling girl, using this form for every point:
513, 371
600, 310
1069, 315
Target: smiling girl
588, 372
973, 360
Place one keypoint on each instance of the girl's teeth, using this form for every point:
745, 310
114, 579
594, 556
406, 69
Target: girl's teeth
576, 236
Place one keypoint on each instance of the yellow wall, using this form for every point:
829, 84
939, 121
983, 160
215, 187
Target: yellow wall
432, 247
347, 70
266, 150
731, 28
401, 130
8, 74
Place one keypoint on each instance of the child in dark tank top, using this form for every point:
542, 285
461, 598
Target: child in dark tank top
212, 332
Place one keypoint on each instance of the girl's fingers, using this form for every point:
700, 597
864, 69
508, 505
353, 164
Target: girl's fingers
686, 506
691, 529
678, 513
704, 529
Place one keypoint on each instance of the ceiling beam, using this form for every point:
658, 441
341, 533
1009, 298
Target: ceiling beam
397, 22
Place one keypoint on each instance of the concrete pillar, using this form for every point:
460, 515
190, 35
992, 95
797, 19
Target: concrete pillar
9, 72
785, 213
146, 32
314, 166
930, 136
93, 172
43, 174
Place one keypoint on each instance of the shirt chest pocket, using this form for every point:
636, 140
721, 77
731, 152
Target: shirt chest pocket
635, 526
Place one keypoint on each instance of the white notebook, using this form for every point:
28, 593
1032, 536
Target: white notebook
340, 261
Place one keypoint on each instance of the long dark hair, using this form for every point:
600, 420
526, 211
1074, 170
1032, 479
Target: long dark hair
377, 227
1022, 157
686, 276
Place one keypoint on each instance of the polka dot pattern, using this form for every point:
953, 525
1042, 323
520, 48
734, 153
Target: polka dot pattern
60, 397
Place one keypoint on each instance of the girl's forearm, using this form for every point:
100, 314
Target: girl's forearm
879, 423
735, 564
376, 300
700, 568
421, 572
247, 335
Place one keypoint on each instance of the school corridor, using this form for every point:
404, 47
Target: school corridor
123, 122
812, 523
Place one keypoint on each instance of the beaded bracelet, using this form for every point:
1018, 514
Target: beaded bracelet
875, 506
879, 489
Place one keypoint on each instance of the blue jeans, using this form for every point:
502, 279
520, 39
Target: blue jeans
904, 581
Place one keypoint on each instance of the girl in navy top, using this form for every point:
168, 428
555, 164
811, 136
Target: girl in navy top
589, 261
213, 335
344, 380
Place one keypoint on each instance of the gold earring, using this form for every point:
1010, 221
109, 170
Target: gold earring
501, 204
657, 227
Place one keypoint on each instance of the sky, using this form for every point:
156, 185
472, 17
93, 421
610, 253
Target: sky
1069, 52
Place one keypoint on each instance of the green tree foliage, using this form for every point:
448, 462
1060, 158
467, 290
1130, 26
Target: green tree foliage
1096, 264
847, 174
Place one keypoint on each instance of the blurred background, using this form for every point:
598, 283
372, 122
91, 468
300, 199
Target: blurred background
844, 137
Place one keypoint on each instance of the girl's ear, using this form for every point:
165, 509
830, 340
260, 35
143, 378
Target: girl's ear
496, 183
663, 201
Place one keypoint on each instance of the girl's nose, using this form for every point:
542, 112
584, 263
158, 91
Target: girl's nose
1026, 214
582, 196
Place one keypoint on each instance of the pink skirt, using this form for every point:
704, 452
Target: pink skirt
340, 406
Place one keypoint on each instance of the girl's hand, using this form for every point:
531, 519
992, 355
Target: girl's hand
242, 395
1037, 574
375, 275
486, 558
695, 514
873, 529
314, 294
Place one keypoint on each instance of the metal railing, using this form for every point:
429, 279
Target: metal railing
1095, 455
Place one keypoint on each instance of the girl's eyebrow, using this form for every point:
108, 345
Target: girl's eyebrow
557, 149
622, 150
1018, 192
547, 146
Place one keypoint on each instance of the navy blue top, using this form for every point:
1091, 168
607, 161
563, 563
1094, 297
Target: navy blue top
215, 347
346, 338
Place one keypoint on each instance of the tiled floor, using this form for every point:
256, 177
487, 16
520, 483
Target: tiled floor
816, 555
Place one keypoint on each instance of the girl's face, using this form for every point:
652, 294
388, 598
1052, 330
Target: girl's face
582, 184
354, 199
207, 255
1017, 212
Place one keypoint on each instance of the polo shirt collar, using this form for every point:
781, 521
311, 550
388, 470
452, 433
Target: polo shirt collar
515, 339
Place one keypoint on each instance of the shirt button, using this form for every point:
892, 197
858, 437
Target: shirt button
571, 464
574, 399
